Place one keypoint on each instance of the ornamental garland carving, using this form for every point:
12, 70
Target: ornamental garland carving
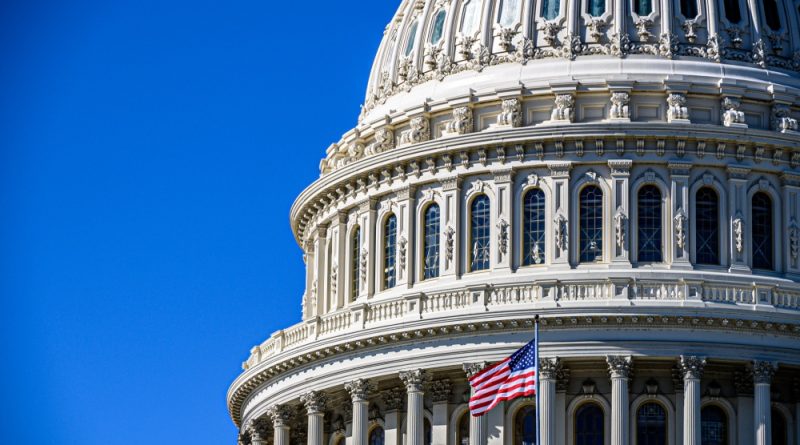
402, 243
502, 236
620, 223
449, 244
680, 228
738, 233
363, 265
691, 367
794, 241
560, 232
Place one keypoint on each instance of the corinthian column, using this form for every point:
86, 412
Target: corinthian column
315, 406
619, 367
415, 385
281, 416
762, 377
258, 431
477, 425
692, 370
359, 392
549, 372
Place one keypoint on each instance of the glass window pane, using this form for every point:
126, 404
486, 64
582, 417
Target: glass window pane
438, 26
651, 424
472, 17
713, 426
597, 7
412, 35
533, 227
689, 8
389, 251
707, 226
525, 426
510, 12
431, 242
355, 264
550, 9
376, 436
762, 231
732, 12
589, 426
645, 7
772, 14
591, 224
649, 224
480, 216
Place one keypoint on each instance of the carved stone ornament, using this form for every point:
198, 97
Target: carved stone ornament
259, 429
419, 131
510, 114
691, 366
676, 108
619, 105
477, 187
560, 232
415, 379
738, 233
393, 398
281, 415
643, 27
384, 141
473, 368
680, 228
532, 180
502, 236
462, 121
782, 120
440, 390
314, 401
564, 108
731, 116
550, 30
596, 26
359, 389
550, 368
794, 240
334, 278
363, 264
690, 28
763, 371
449, 235
401, 253
619, 366
620, 221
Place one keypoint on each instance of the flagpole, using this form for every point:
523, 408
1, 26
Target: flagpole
536, 346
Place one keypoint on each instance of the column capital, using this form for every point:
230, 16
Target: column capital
691, 366
550, 368
441, 390
359, 389
314, 401
258, 429
281, 415
414, 379
473, 368
763, 371
393, 398
619, 366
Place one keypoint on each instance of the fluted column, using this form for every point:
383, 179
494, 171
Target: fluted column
415, 385
314, 402
281, 416
619, 367
692, 369
359, 392
477, 425
549, 371
762, 377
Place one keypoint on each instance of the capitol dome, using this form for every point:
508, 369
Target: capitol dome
626, 171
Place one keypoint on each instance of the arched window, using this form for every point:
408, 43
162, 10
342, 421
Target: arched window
591, 224
550, 9
355, 264
713, 426
689, 8
438, 26
533, 227
707, 226
597, 7
651, 424
762, 231
779, 434
525, 426
389, 252
376, 436
648, 221
471, 17
412, 35
509, 12
772, 15
427, 432
644, 7
480, 239
589, 425
431, 242
732, 11
462, 432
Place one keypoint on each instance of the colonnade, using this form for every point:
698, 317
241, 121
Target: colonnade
418, 381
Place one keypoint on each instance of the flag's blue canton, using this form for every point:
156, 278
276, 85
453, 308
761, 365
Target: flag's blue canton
524, 358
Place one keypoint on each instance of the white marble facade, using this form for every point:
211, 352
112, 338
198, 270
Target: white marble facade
628, 171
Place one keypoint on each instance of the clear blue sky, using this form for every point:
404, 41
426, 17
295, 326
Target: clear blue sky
149, 154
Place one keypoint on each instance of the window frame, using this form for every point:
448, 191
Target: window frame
423, 239
469, 213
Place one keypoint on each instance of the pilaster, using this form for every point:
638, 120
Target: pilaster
318, 285
737, 205
440, 391
393, 401
505, 216
678, 215
451, 247
620, 206
405, 228
367, 216
560, 236
790, 190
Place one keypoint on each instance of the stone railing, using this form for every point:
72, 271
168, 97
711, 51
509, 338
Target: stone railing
418, 306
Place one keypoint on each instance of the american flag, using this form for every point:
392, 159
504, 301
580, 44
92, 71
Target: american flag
506, 380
